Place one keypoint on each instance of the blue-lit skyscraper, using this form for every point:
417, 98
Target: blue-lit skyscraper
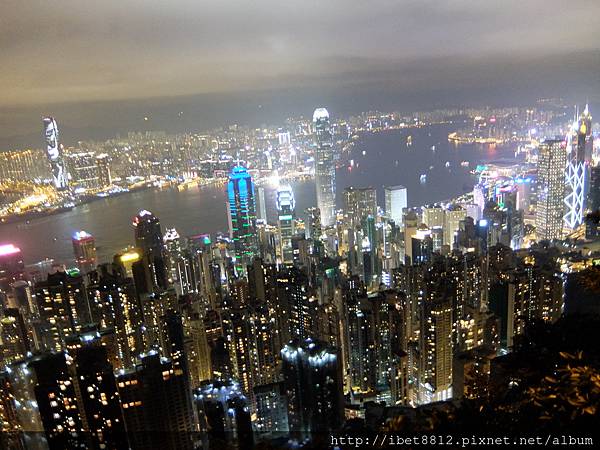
324, 167
241, 211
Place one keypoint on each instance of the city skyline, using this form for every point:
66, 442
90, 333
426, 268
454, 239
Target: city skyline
299, 225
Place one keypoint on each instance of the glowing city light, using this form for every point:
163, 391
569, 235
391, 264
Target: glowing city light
129, 257
8, 249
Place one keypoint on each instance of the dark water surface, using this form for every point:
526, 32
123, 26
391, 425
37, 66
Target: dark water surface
387, 161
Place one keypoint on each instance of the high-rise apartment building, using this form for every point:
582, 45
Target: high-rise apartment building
360, 203
84, 248
551, 190
313, 382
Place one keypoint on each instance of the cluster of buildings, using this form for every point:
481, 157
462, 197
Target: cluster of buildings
60, 176
282, 331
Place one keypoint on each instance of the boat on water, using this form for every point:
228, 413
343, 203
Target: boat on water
423, 178
409, 141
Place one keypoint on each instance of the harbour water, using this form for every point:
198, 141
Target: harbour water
379, 159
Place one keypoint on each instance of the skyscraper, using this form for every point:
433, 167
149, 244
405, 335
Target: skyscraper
103, 167
594, 194
55, 154
395, 202
56, 396
148, 233
313, 223
157, 404
12, 267
116, 305
149, 238
436, 348
241, 210
579, 153
324, 167
294, 312
83, 169
261, 213
84, 248
452, 217
63, 306
360, 203
96, 391
551, 189
313, 382
286, 205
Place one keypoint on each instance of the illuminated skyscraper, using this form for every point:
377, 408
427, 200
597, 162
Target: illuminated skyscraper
313, 382
149, 238
579, 154
55, 154
83, 169
103, 167
324, 167
551, 189
56, 396
262, 205
395, 202
116, 305
96, 390
241, 210
594, 194
148, 233
452, 217
224, 414
11, 265
295, 317
157, 404
436, 348
63, 306
84, 248
286, 205
360, 203
313, 223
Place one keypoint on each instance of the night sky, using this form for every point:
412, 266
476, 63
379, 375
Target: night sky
100, 67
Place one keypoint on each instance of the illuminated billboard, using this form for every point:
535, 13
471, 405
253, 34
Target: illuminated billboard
54, 153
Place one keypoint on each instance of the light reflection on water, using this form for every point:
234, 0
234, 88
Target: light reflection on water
387, 161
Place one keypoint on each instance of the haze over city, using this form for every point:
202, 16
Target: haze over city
104, 68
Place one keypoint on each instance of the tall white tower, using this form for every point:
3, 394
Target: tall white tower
324, 167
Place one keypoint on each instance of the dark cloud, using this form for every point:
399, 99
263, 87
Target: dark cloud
74, 51
130, 48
